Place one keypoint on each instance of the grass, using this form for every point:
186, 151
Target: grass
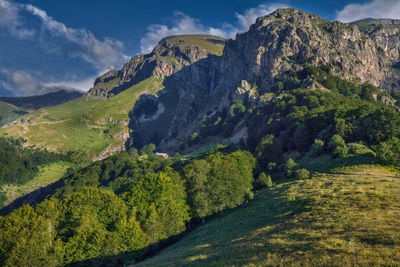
214, 45
9, 112
48, 174
83, 124
346, 219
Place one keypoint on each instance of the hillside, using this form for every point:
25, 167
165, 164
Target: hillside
345, 218
9, 112
12, 108
93, 127
290, 144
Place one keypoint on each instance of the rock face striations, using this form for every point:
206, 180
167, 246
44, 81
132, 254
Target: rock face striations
170, 56
200, 80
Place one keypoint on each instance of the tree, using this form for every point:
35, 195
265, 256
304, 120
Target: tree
388, 152
302, 174
317, 148
290, 166
148, 149
160, 201
219, 182
336, 141
263, 180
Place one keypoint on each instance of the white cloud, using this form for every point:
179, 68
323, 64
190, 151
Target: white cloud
83, 85
102, 54
78, 43
20, 82
23, 83
373, 9
184, 24
74, 54
251, 14
9, 20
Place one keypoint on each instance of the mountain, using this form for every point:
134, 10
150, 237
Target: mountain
188, 80
9, 112
96, 125
40, 101
259, 62
290, 143
13, 107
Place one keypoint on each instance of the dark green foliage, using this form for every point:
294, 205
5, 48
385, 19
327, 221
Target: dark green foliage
340, 152
293, 121
302, 174
336, 141
120, 207
269, 149
219, 182
388, 152
317, 148
237, 108
29, 239
263, 180
290, 167
160, 200
148, 149
18, 165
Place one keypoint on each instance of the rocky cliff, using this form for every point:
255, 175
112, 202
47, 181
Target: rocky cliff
170, 56
200, 81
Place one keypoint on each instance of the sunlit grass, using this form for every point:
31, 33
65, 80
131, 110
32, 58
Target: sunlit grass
48, 173
345, 219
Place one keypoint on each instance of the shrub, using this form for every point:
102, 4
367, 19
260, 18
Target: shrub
148, 149
290, 166
263, 180
317, 148
302, 174
336, 141
340, 152
388, 152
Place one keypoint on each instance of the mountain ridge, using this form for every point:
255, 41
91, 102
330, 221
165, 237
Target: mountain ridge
197, 77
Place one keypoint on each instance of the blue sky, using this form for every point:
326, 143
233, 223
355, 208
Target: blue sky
46, 45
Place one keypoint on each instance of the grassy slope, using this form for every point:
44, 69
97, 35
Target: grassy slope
7, 113
48, 173
331, 219
214, 45
80, 125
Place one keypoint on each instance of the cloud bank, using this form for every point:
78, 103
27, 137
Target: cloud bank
374, 9
184, 24
42, 50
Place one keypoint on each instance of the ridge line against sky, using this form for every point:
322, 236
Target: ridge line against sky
39, 54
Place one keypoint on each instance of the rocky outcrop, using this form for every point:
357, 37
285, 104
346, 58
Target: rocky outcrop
168, 57
200, 81
274, 46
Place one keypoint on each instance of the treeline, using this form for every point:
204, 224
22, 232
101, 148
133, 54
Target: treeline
18, 164
118, 209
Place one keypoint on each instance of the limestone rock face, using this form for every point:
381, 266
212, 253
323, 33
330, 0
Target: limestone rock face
168, 57
201, 80
288, 38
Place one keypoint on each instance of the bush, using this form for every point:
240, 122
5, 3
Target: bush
336, 141
148, 149
388, 152
263, 181
340, 152
302, 174
290, 166
317, 148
